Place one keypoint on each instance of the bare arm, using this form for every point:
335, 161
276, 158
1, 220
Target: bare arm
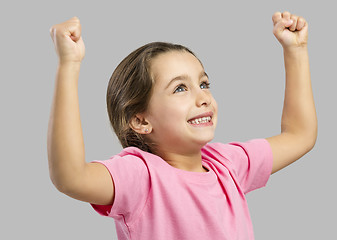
69, 172
299, 122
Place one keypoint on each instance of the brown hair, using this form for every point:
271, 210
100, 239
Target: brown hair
129, 91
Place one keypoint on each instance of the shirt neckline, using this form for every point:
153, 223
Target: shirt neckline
196, 177
208, 177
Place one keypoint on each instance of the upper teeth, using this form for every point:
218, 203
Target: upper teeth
200, 120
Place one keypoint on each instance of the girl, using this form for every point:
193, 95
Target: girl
169, 182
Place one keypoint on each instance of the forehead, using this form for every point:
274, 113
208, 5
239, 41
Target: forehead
167, 66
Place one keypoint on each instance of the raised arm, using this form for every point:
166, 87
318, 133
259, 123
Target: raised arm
69, 171
299, 122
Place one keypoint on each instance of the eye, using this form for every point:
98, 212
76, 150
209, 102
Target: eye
180, 88
204, 85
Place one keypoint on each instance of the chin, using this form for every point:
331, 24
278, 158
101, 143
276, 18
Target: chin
204, 140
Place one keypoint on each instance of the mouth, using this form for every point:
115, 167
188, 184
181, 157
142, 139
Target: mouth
204, 119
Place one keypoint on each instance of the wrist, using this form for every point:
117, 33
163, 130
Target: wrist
69, 65
68, 71
296, 50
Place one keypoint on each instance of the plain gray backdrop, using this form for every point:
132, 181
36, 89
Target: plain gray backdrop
234, 41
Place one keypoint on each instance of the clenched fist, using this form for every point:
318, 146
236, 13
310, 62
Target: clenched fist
68, 42
290, 30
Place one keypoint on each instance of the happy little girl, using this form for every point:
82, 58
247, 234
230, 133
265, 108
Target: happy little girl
170, 182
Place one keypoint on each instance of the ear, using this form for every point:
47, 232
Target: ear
140, 125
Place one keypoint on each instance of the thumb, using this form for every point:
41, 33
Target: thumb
281, 25
69, 29
74, 29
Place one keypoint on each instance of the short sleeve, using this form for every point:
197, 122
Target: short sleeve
131, 187
251, 162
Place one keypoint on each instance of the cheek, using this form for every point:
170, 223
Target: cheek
171, 113
164, 114
215, 104
215, 108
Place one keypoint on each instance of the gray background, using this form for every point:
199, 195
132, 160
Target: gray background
235, 42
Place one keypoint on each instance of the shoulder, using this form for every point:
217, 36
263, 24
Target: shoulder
129, 161
220, 151
237, 149
238, 154
131, 155
250, 161
131, 179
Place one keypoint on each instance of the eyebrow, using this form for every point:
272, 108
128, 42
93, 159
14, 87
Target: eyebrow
185, 77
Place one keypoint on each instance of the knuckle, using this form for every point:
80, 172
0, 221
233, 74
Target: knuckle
276, 14
286, 14
52, 30
75, 20
284, 21
301, 20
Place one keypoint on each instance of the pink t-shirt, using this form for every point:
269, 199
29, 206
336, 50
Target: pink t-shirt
154, 200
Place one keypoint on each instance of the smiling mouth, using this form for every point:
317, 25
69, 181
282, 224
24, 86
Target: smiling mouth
204, 119
200, 120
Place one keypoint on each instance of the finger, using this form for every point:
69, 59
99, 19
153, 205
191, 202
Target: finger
300, 23
294, 24
286, 15
70, 28
52, 32
281, 25
74, 28
276, 17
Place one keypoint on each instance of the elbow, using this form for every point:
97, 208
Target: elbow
312, 136
309, 140
64, 184
306, 136
59, 184
65, 187
64, 174
312, 141
67, 182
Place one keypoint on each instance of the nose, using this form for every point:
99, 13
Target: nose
203, 98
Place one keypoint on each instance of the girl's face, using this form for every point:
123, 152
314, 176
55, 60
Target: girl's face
182, 111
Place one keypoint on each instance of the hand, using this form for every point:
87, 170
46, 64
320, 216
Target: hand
68, 42
290, 30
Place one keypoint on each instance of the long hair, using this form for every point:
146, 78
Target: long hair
129, 91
